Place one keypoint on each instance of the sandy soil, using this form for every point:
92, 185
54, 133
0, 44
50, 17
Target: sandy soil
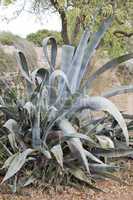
112, 190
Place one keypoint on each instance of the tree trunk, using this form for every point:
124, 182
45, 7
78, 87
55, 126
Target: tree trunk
62, 13
76, 29
64, 30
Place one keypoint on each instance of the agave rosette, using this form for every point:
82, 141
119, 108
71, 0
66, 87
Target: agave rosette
45, 129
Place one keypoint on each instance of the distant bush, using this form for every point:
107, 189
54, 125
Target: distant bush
38, 37
7, 38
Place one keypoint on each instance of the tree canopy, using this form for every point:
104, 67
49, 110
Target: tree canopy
76, 15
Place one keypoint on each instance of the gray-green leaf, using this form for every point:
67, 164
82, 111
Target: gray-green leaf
58, 153
17, 163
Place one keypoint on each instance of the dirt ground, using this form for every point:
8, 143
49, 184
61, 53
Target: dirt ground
112, 190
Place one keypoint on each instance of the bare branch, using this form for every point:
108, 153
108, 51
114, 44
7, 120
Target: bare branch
119, 33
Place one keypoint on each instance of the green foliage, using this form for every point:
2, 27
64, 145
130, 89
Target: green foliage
7, 2
46, 131
37, 37
7, 38
114, 44
86, 10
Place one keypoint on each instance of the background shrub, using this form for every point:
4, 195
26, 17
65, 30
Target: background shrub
7, 38
37, 37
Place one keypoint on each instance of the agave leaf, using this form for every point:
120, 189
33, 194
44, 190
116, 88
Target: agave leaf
79, 174
39, 75
54, 75
22, 63
111, 64
36, 132
58, 73
51, 61
105, 142
14, 185
58, 154
13, 128
52, 122
9, 114
92, 157
66, 136
40, 97
127, 116
102, 104
103, 168
46, 153
12, 140
36, 141
17, 163
11, 125
93, 44
77, 61
6, 148
66, 59
75, 144
80, 136
111, 176
29, 181
23, 66
67, 55
2, 101
119, 90
30, 108
9, 161
113, 153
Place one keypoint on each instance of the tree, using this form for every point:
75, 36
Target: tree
75, 15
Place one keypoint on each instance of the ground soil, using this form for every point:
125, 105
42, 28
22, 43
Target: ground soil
112, 190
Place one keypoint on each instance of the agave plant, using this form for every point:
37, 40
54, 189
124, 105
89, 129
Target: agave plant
47, 134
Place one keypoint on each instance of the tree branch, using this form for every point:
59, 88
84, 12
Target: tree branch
117, 33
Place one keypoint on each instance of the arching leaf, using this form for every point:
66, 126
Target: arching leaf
52, 60
102, 104
40, 75
80, 174
111, 64
119, 90
92, 157
93, 44
11, 125
23, 66
75, 144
